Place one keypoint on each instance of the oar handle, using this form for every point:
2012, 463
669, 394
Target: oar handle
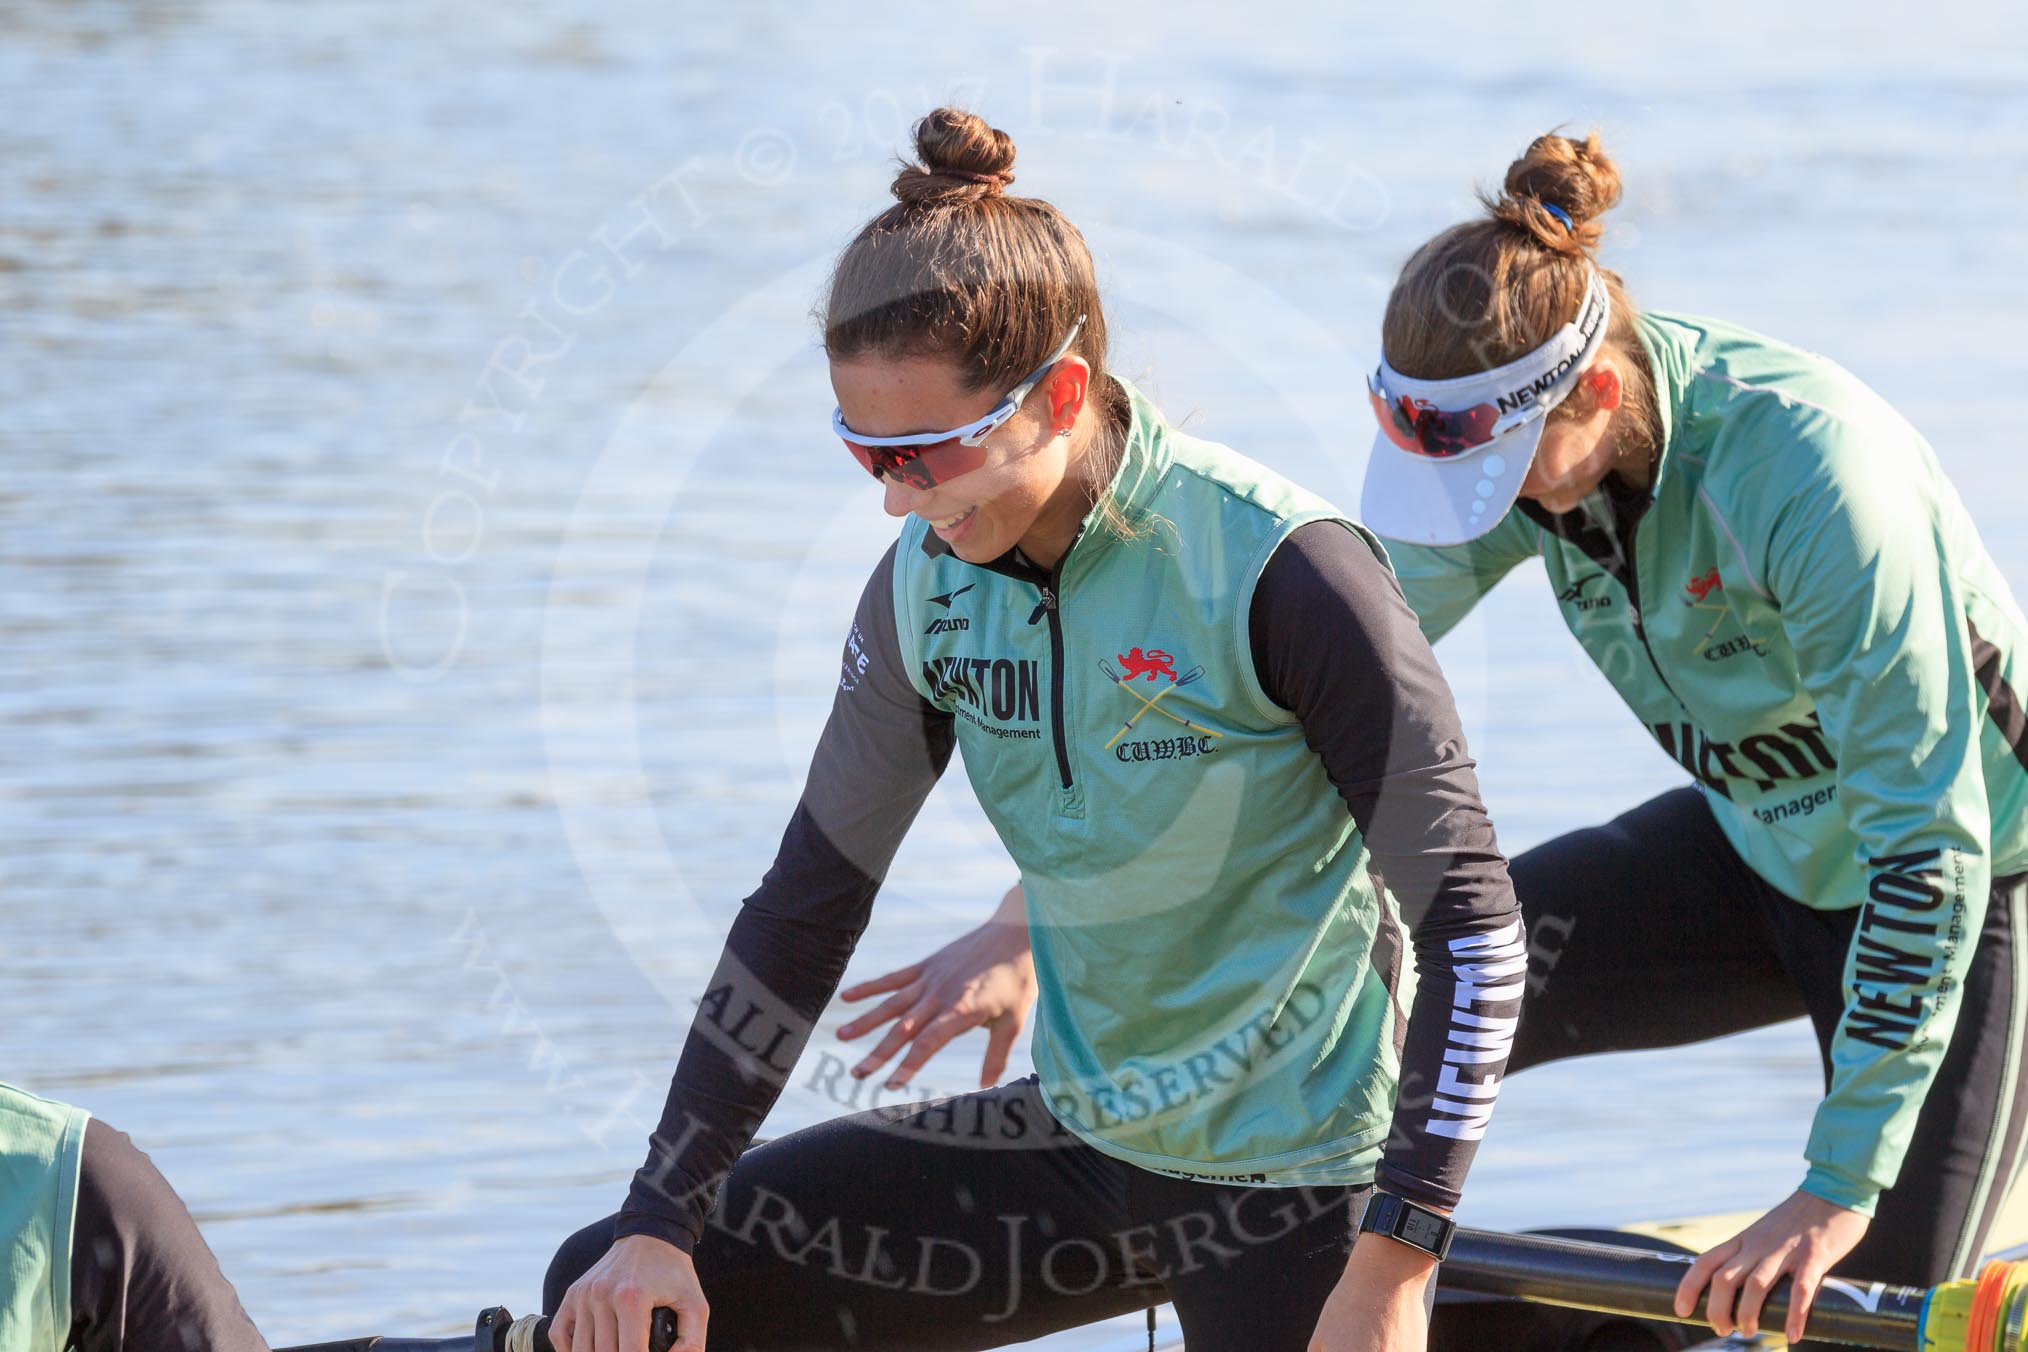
496, 1331
1616, 1280
510, 1332
661, 1334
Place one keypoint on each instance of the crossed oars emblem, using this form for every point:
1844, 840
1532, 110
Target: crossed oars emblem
1146, 704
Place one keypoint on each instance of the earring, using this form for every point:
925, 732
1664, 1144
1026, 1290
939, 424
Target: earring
1064, 433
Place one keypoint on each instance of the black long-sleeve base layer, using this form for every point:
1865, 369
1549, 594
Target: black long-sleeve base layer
141, 1276
1334, 642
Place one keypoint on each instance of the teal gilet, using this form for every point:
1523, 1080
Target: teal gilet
1817, 634
40, 1146
1214, 960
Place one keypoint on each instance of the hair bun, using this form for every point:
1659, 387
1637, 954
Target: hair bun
962, 159
1576, 177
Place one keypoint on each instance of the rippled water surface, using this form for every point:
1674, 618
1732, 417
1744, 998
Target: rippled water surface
425, 557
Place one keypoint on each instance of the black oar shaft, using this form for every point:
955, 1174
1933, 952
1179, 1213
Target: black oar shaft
1627, 1281
490, 1335
1536, 1268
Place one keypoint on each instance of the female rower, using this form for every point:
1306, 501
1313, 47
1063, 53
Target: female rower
1767, 563
97, 1252
1770, 567
1190, 699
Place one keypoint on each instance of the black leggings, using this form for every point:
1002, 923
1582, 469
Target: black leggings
922, 1228
977, 1221
1651, 931
140, 1274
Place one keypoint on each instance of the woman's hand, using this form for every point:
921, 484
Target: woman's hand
608, 1309
1804, 1237
986, 976
1377, 1306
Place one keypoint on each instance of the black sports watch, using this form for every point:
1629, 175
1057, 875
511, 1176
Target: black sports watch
1416, 1226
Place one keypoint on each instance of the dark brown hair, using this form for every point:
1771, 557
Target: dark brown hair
1484, 292
959, 269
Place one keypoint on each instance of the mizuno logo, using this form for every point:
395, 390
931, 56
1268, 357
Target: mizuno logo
948, 597
1573, 595
948, 624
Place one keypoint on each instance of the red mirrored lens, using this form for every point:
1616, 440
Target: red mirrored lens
919, 466
1445, 434
1424, 429
1398, 429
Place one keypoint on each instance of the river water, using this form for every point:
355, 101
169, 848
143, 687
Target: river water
396, 701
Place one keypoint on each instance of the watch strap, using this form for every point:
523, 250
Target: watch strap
1404, 1221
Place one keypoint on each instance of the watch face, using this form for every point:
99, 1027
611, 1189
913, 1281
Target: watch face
1422, 1230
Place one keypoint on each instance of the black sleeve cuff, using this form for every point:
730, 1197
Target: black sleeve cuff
1418, 1190
658, 1227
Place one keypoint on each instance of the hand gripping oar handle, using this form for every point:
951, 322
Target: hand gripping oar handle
1643, 1284
497, 1331
531, 1334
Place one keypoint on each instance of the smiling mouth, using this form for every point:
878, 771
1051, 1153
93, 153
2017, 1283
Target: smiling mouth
951, 523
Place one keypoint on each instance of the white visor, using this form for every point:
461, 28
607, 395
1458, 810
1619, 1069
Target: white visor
1472, 437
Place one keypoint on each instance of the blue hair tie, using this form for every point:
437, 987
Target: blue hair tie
1558, 212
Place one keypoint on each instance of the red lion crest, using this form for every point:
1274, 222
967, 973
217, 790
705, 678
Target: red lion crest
1150, 664
1697, 588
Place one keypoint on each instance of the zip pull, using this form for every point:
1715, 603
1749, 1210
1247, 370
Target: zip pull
1045, 605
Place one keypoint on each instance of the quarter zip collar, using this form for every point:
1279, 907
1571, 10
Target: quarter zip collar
1668, 354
